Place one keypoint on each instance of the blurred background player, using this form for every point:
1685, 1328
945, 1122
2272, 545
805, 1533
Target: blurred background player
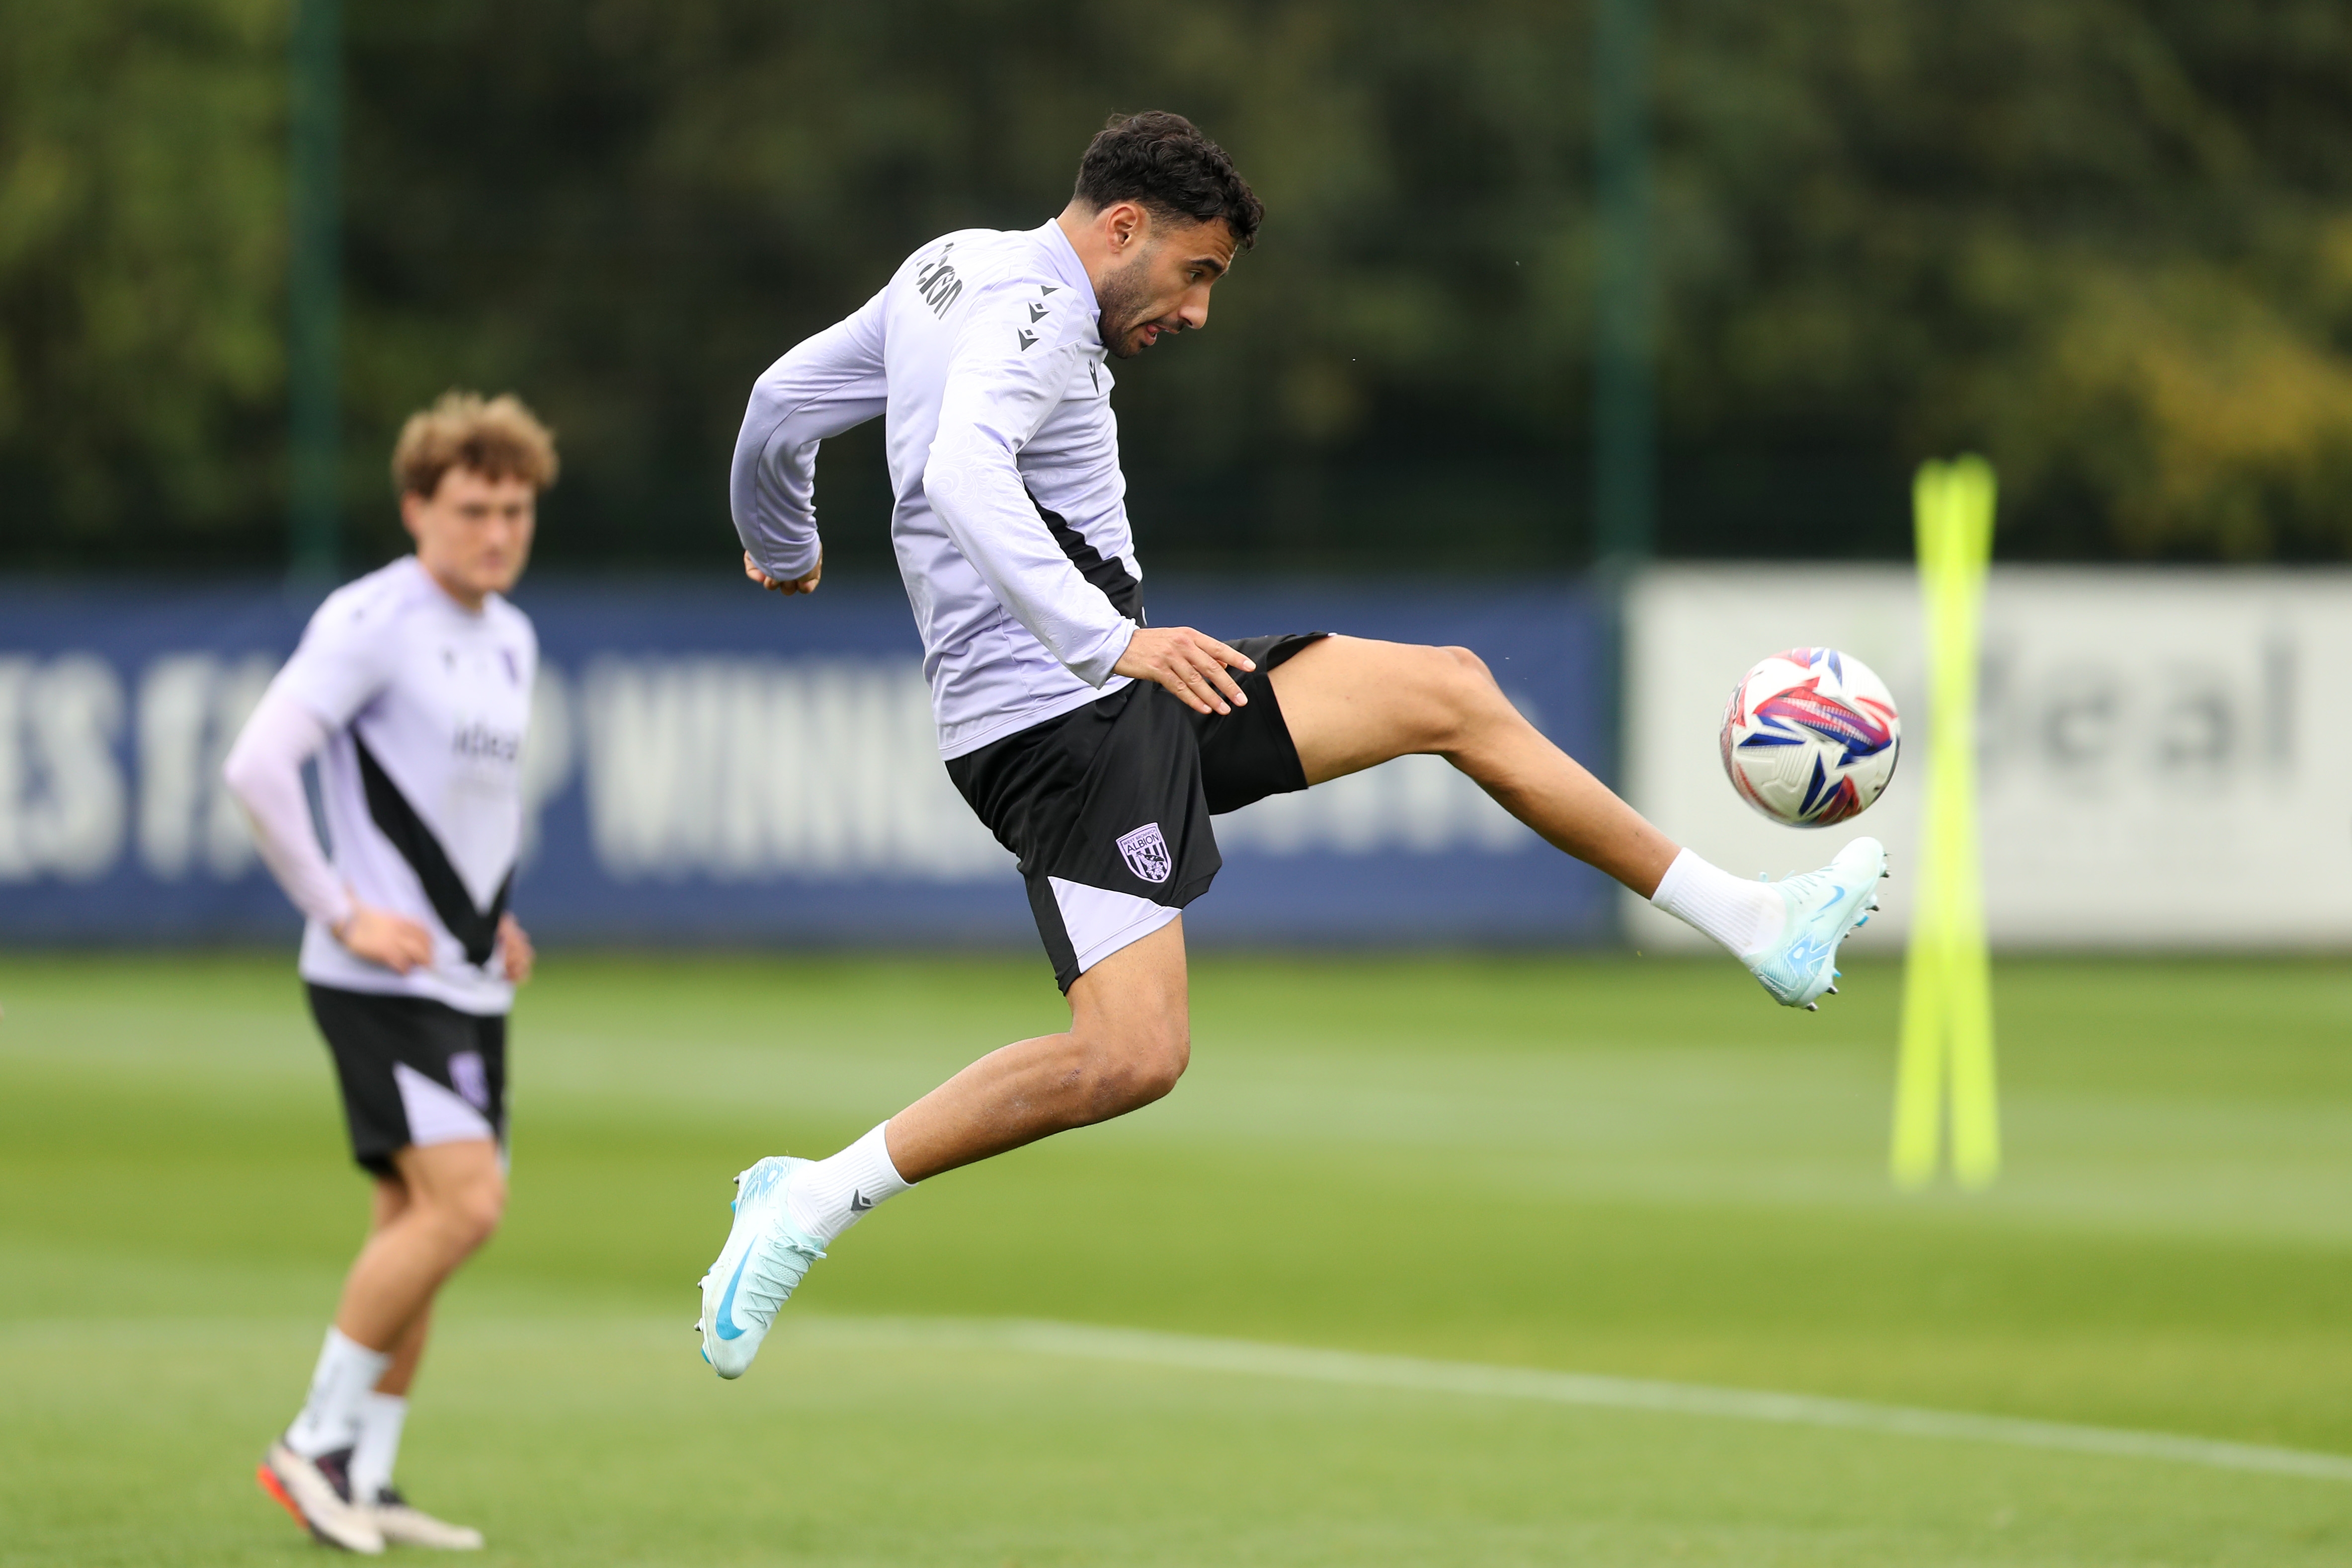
412, 690
1094, 745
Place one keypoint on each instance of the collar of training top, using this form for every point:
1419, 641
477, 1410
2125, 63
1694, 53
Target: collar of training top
1067, 265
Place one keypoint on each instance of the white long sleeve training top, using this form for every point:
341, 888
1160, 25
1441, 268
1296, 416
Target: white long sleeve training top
985, 354
417, 709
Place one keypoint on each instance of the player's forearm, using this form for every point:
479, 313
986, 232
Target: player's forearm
772, 489
773, 503
264, 771
978, 494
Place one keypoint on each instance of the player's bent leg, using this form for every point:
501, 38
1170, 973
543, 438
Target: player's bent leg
1128, 1041
456, 1196
1128, 1044
391, 1200
449, 1199
1351, 704
382, 1418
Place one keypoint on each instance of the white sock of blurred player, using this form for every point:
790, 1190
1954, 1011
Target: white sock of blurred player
346, 1373
829, 1195
1745, 916
382, 1416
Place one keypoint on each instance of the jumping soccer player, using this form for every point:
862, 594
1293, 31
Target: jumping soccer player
412, 689
1096, 745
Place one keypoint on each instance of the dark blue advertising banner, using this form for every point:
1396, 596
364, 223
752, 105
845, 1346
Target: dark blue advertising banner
708, 764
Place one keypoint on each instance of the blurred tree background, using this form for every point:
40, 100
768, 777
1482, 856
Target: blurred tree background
2107, 243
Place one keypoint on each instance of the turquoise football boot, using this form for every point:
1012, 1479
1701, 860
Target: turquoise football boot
758, 1270
1823, 907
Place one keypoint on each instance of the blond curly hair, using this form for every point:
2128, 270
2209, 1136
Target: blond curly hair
497, 438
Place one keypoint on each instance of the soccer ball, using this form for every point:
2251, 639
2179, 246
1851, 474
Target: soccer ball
1809, 736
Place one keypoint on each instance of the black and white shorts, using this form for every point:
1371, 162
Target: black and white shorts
414, 1072
1108, 806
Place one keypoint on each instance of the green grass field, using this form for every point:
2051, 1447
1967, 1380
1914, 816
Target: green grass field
1619, 1167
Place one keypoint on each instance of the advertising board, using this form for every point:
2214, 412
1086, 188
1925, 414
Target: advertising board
2164, 754
710, 764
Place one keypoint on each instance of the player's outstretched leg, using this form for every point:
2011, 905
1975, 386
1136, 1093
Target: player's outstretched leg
1128, 1041
1352, 704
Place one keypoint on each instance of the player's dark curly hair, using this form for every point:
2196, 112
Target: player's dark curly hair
1162, 161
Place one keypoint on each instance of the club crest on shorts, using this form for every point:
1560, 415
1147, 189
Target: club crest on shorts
470, 1080
1146, 853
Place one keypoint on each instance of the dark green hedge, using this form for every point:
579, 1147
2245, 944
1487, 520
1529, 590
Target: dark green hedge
2109, 244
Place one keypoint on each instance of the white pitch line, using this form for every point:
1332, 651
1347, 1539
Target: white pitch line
1249, 1358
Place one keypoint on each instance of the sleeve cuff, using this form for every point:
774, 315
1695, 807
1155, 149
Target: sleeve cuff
333, 913
788, 566
1102, 664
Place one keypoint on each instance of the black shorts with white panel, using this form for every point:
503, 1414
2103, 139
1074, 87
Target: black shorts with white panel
1108, 806
414, 1072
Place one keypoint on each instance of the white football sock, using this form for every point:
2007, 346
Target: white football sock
830, 1195
1745, 916
331, 1417
373, 1456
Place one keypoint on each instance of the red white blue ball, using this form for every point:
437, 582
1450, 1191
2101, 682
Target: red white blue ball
1811, 736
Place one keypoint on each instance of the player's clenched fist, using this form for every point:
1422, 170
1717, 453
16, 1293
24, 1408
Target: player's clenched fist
778, 585
1193, 664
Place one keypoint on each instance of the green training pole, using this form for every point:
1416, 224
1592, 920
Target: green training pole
1624, 381
313, 290
1947, 1038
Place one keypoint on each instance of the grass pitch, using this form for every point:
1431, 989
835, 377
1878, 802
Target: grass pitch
1636, 1168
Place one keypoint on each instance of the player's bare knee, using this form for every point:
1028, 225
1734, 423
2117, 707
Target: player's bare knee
1157, 1062
478, 1220
1461, 699
1133, 1065
468, 1216
1470, 664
